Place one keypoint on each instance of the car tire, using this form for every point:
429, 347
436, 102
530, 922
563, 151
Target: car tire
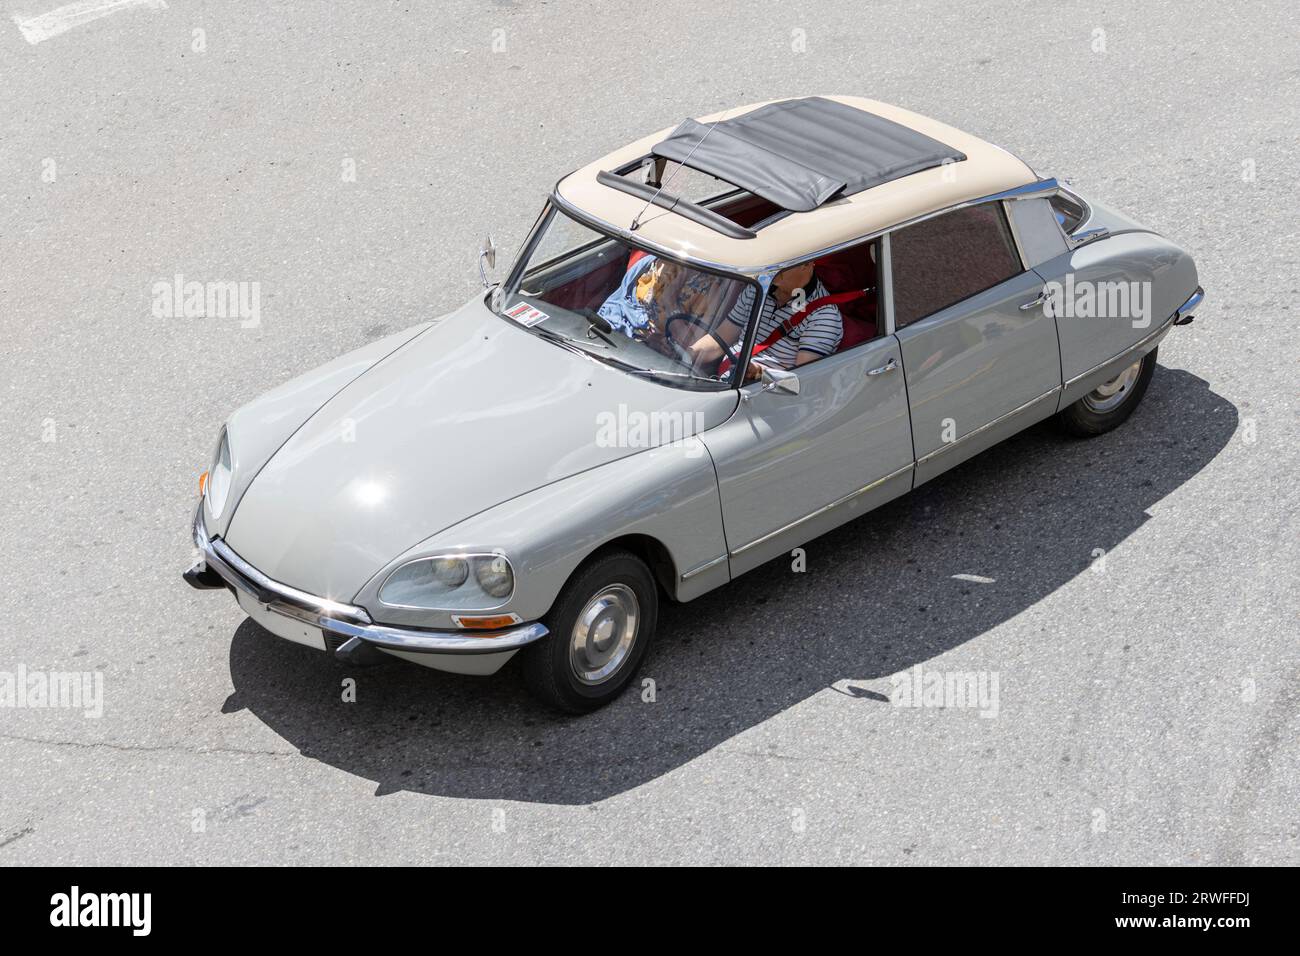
1108, 405
590, 655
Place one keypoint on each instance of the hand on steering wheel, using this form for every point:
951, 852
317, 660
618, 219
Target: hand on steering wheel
684, 355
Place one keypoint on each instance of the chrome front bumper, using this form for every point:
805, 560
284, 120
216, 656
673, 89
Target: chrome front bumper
1184, 313
346, 621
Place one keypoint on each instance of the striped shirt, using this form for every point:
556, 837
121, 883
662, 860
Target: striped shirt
820, 331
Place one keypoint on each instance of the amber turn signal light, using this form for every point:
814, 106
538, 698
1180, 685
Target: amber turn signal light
203, 483
485, 622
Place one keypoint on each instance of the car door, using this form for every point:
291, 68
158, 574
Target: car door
979, 351
791, 467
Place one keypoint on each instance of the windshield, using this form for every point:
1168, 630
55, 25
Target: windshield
645, 314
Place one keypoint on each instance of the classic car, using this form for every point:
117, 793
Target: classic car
715, 344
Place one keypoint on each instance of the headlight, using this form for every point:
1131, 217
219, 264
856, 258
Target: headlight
495, 576
453, 582
450, 572
218, 484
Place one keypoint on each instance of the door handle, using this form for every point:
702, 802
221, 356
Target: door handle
1042, 297
887, 367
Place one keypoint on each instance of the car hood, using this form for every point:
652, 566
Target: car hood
471, 413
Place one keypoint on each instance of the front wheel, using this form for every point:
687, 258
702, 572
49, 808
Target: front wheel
1110, 403
600, 627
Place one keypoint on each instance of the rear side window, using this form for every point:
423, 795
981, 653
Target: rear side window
1069, 212
943, 260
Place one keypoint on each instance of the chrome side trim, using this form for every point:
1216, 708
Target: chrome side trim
346, 619
822, 510
1146, 339
701, 568
1050, 393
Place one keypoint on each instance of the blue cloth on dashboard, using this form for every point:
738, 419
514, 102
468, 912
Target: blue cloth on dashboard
621, 309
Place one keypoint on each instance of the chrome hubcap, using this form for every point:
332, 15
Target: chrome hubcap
604, 633
1112, 394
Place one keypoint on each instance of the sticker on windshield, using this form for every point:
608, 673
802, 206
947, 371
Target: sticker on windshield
526, 315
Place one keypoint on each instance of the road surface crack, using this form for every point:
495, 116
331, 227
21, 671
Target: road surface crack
148, 748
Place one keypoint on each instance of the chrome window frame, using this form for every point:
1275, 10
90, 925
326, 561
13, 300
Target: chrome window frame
1015, 242
555, 206
1042, 187
886, 300
882, 279
763, 274
1009, 216
751, 329
1081, 235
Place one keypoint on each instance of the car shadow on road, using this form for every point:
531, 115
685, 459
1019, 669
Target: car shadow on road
878, 597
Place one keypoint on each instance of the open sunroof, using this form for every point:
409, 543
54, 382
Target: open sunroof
799, 154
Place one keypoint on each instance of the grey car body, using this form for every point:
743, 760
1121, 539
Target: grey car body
472, 435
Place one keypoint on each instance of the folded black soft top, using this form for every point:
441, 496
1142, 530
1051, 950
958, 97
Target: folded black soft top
801, 153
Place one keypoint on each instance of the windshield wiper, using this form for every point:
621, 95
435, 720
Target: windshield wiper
564, 342
638, 370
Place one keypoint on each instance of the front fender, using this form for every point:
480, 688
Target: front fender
669, 493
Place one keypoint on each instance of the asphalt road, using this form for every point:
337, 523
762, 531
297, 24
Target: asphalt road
1148, 711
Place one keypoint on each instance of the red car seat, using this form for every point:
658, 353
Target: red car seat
847, 270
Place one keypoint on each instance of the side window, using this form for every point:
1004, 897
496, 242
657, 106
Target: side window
853, 274
943, 260
1069, 212
836, 296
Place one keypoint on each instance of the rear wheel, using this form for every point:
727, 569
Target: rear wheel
600, 627
1110, 403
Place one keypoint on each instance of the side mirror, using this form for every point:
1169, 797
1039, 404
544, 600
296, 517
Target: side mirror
487, 260
776, 380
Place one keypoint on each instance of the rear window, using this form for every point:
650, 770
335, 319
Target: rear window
941, 261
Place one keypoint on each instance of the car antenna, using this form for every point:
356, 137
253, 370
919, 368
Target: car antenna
636, 220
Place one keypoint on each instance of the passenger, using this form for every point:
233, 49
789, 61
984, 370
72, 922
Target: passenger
816, 335
652, 291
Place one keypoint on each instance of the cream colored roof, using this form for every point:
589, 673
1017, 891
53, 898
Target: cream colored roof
987, 169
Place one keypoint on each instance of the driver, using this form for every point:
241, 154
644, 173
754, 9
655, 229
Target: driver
817, 334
